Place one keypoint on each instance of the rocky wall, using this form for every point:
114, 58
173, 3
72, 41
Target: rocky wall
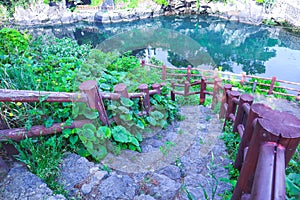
247, 11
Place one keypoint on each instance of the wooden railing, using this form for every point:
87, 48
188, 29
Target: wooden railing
89, 94
169, 73
269, 138
192, 77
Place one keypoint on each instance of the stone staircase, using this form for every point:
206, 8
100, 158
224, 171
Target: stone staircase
176, 163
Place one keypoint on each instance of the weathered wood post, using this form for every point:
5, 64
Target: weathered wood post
216, 73
164, 72
186, 88
224, 104
243, 78
90, 88
240, 116
216, 92
272, 85
143, 62
121, 89
202, 90
144, 88
298, 97
257, 110
188, 74
172, 91
231, 109
270, 170
266, 130
156, 87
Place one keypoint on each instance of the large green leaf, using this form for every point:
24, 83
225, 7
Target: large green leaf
126, 102
104, 86
134, 141
124, 109
90, 114
140, 124
292, 184
99, 153
157, 115
127, 117
120, 134
111, 107
103, 132
151, 120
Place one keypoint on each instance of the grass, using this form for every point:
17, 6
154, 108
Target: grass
42, 156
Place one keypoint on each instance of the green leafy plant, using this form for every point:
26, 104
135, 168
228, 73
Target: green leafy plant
42, 156
12, 41
167, 147
162, 2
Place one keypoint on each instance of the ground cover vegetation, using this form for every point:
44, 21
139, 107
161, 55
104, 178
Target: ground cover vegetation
60, 65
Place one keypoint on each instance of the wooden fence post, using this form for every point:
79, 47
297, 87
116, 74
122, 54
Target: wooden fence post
202, 90
243, 78
121, 89
144, 88
156, 87
90, 88
172, 91
231, 105
164, 72
266, 130
245, 98
216, 92
188, 74
186, 88
272, 85
257, 110
143, 63
298, 97
224, 103
216, 73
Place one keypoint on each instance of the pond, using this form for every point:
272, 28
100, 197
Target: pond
196, 40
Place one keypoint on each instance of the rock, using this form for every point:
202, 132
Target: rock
3, 169
102, 17
74, 171
117, 187
108, 5
143, 197
162, 187
86, 188
27, 185
115, 17
171, 171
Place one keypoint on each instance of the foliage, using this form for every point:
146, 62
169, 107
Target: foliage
167, 147
47, 64
162, 2
11, 4
12, 41
96, 2
42, 156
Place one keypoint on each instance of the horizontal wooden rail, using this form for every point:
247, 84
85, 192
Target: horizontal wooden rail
34, 131
35, 96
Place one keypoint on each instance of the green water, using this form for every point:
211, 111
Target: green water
196, 40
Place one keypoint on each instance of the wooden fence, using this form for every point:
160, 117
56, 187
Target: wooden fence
89, 94
189, 77
269, 138
169, 73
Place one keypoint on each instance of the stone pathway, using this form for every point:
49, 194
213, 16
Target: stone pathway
178, 163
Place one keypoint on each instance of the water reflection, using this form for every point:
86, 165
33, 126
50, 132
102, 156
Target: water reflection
194, 40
